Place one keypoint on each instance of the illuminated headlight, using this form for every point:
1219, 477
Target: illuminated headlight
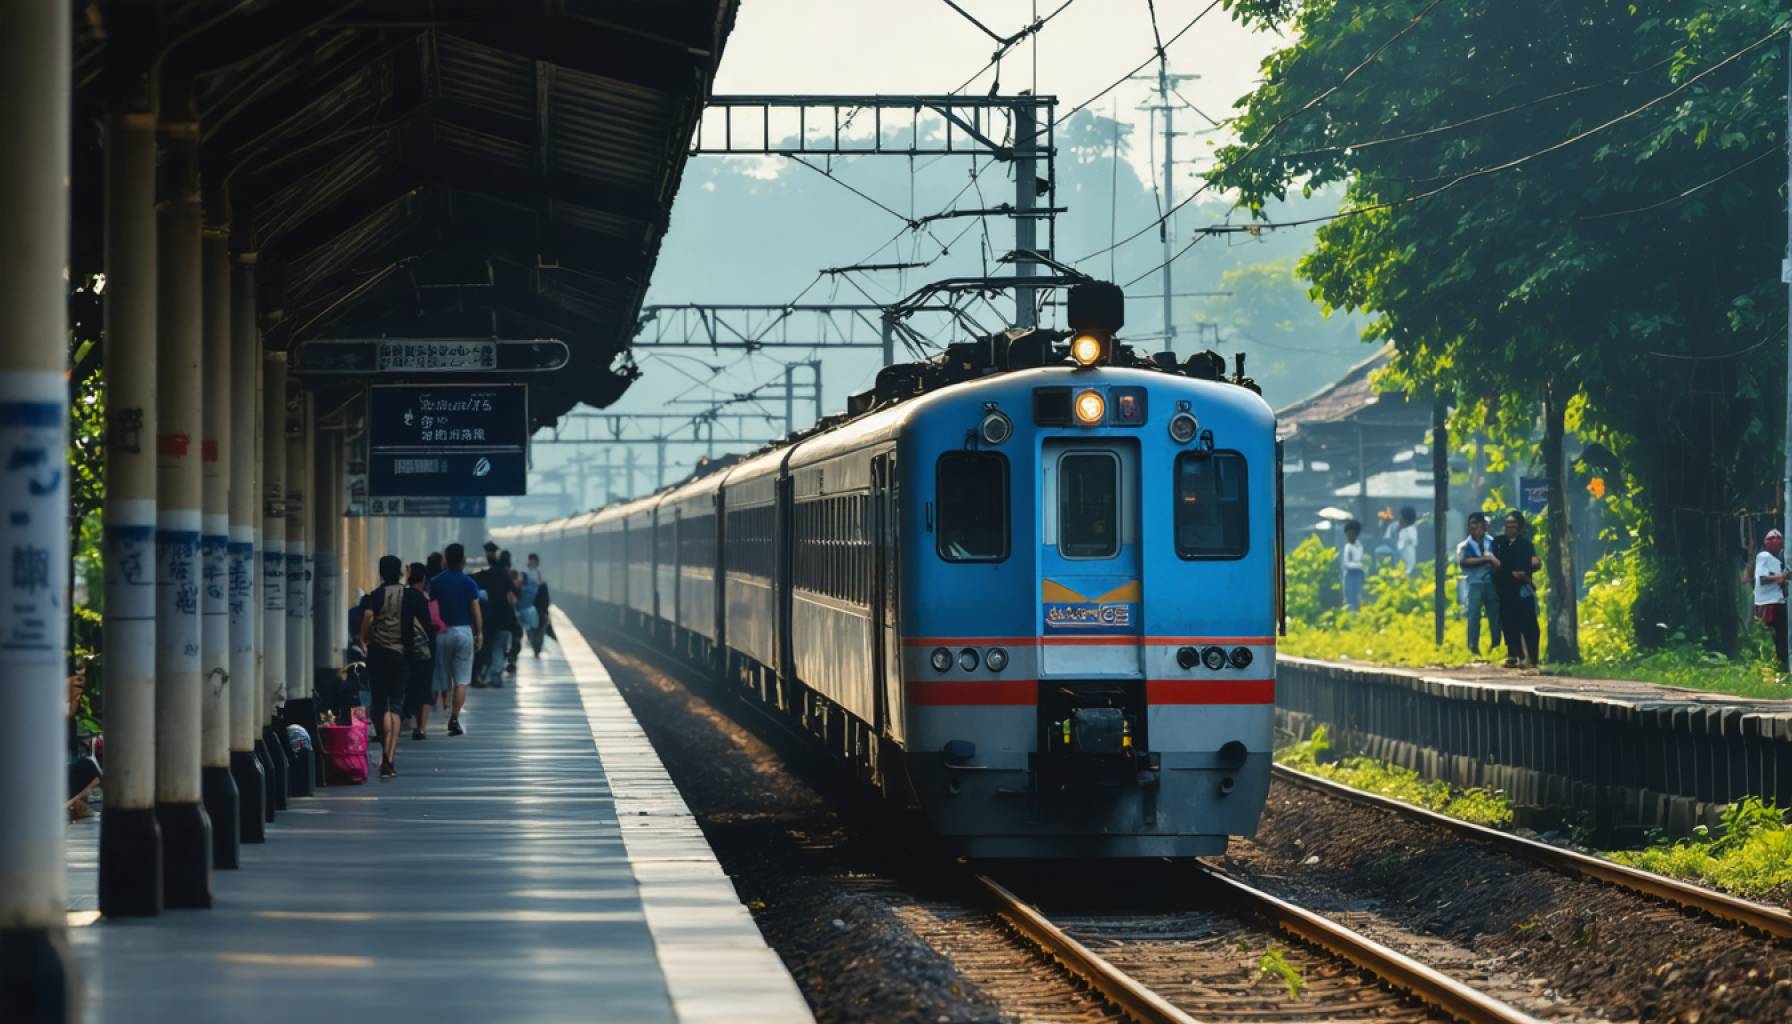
967, 659
1241, 657
996, 659
1214, 658
996, 428
1085, 349
941, 659
1183, 427
1089, 408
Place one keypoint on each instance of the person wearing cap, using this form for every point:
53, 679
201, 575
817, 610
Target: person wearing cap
1770, 591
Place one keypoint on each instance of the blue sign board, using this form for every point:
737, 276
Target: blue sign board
1533, 494
447, 441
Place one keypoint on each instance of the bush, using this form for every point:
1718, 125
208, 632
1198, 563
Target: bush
1750, 854
1481, 806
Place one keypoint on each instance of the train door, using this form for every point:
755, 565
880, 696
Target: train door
1090, 594
887, 644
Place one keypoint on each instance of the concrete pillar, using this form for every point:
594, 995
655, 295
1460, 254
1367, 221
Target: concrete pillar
245, 596
130, 841
273, 569
37, 977
216, 787
186, 832
298, 708
327, 631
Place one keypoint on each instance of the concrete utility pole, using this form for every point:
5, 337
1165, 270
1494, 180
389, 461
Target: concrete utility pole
186, 831
216, 786
1166, 84
37, 974
273, 570
1440, 509
245, 600
130, 840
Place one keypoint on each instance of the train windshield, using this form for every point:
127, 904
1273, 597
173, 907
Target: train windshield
973, 499
1211, 505
1088, 505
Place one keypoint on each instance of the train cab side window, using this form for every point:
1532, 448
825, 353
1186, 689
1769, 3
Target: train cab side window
973, 507
1212, 502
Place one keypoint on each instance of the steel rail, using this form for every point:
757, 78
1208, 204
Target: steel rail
1131, 997
1770, 921
1423, 983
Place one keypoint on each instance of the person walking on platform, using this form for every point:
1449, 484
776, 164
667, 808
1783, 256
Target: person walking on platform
527, 601
500, 594
514, 653
457, 600
1475, 556
1350, 559
420, 689
432, 566
394, 622
1770, 592
1518, 563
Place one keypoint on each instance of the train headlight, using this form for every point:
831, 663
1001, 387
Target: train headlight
996, 427
1086, 349
1089, 408
1214, 658
1184, 427
941, 659
996, 659
1188, 657
967, 659
1241, 657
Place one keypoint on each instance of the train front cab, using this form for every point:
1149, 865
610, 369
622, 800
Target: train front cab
1069, 590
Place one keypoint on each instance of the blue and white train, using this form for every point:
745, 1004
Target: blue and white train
1031, 586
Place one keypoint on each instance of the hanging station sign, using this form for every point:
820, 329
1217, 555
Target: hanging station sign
403, 357
447, 440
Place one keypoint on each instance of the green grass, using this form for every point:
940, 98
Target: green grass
1480, 806
1750, 853
1275, 964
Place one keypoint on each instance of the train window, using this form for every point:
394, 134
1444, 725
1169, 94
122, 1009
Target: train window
973, 507
1088, 505
1211, 506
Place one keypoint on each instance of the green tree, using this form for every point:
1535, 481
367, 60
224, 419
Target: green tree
1267, 311
1558, 201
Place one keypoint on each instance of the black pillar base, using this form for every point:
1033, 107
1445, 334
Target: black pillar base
38, 984
130, 863
218, 790
277, 761
251, 794
186, 856
302, 712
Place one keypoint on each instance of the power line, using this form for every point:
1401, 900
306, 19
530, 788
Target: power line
1118, 82
1671, 200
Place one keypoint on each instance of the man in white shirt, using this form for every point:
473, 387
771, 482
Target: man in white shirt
1406, 540
1475, 556
1770, 590
1350, 559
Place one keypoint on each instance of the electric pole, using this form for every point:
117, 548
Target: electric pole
1166, 84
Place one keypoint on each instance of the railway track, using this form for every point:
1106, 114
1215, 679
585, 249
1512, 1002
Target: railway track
1193, 951
1770, 921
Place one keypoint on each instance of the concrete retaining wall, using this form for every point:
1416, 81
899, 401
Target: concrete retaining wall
1614, 757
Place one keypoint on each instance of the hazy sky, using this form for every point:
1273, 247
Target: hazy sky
915, 46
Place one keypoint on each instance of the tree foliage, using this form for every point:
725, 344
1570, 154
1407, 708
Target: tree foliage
1579, 199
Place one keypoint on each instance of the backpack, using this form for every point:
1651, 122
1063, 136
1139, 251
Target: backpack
388, 621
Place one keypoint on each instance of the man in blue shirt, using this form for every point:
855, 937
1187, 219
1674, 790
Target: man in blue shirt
458, 599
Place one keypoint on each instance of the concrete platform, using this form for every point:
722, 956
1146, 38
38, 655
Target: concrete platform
541, 868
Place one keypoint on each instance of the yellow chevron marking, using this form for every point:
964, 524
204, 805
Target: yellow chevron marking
1052, 590
1129, 591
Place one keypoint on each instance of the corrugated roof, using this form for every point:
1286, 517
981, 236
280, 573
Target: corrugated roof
437, 167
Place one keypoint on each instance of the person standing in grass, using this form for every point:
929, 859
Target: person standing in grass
1518, 563
1770, 592
1475, 556
1350, 560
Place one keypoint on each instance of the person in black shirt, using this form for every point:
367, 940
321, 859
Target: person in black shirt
501, 625
1513, 581
394, 624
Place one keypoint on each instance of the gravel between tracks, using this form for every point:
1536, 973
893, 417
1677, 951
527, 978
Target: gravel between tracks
817, 875
1557, 945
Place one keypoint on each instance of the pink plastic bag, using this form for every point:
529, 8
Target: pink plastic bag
345, 752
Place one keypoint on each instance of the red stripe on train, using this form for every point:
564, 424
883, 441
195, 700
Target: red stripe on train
1210, 691
1003, 692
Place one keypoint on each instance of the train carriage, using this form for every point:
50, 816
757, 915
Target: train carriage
1038, 596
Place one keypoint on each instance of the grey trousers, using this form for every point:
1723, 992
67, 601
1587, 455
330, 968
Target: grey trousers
1481, 598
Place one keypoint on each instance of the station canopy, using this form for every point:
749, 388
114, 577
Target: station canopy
403, 168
